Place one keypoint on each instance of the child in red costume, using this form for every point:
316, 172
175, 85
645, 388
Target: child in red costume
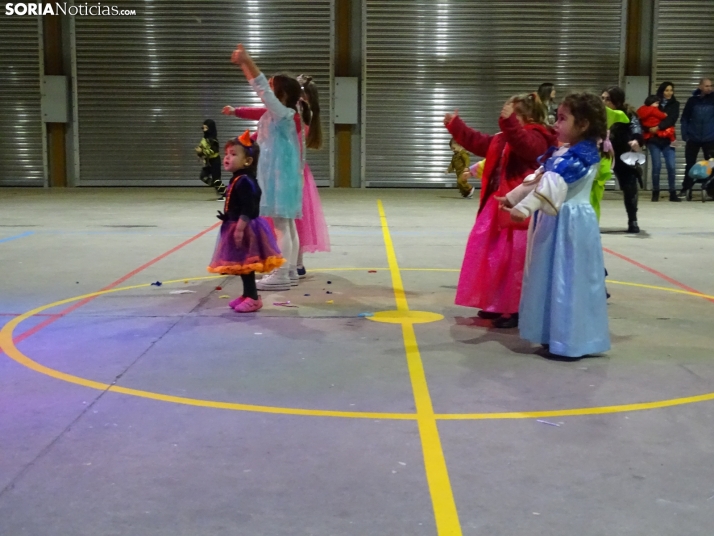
492, 271
651, 116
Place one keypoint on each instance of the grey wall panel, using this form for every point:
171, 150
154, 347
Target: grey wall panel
424, 58
683, 53
21, 132
146, 83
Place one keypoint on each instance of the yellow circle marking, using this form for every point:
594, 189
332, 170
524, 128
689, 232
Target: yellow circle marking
406, 317
8, 346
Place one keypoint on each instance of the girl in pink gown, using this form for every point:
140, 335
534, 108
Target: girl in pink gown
492, 270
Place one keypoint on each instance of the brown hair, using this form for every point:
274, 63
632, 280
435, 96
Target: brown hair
253, 152
587, 107
311, 111
530, 108
287, 90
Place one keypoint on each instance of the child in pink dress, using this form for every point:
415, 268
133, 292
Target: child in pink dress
492, 269
312, 227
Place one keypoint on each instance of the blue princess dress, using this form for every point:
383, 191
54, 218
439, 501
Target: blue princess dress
280, 165
564, 303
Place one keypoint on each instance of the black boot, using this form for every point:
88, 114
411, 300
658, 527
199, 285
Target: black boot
673, 197
488, 316
506, 323
655, 196
632, 227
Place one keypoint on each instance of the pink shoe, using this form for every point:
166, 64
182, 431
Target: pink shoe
235, 303
249, 305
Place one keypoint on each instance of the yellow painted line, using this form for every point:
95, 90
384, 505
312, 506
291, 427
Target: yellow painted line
437, 474
665, 289
601, 410
8, 346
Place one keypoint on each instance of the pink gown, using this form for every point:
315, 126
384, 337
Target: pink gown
492, 271
312, 227
491, 275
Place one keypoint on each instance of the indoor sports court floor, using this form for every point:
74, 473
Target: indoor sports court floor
133, 409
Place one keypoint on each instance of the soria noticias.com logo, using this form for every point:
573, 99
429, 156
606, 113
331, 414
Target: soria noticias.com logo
63, 8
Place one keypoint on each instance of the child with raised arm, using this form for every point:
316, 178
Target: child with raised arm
492, 270
280, 169
563, 304
311, 228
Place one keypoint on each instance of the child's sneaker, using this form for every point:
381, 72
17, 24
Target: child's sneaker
471, 193
275, 280
302, 273
235, 303
249, 305
294, 277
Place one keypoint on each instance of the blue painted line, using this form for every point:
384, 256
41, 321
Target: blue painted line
28, 233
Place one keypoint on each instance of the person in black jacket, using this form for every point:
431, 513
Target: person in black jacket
659, 147
697, 130
208, 151
624, 138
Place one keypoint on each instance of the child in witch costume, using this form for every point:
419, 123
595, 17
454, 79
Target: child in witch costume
246, 243
208, 151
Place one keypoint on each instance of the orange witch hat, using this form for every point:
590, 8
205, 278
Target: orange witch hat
245, 140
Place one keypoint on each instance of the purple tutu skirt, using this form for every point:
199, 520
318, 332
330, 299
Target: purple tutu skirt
312, 227
257, 252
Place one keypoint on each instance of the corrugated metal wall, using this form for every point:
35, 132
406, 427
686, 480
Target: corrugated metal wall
146, 83
21, 132
424, 58
683, 53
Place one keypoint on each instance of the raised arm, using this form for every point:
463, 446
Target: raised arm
259, 83
528, 144
241, 58
472, 140
250, 112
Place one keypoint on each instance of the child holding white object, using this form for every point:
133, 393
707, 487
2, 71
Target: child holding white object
563, 302
280, 168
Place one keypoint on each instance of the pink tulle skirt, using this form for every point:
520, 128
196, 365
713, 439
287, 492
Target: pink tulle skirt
312, 227
492, 271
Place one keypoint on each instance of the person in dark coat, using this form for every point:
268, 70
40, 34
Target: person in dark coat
697, 130
659, 147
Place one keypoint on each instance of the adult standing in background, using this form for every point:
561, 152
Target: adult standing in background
546, 92
697, 130
660, 147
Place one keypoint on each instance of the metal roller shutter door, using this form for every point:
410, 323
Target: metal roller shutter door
425, 58
21, 129
683, 53
146, 83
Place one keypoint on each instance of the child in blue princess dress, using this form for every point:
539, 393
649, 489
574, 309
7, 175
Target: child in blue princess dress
563, 304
